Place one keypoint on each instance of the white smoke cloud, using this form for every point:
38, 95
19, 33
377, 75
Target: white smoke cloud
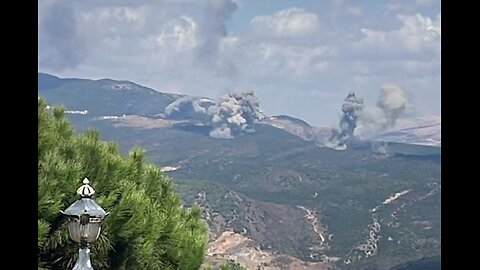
200, 47
222, 132
368, 121
393, 102
189, 107
380, 148
233, 114
372, 122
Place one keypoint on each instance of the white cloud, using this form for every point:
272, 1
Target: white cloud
341, 7
416, 34
292, 60
229, 43
114, 15
209, 47
354, 10
393, 6
179, 34
425, 2
292, 22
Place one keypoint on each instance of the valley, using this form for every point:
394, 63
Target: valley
274, 199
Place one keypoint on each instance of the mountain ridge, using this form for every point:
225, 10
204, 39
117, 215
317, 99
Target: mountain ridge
104, 96
265, 184
152, 103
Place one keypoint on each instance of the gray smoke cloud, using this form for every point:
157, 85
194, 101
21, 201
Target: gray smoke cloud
189, 107
61, 45
391, 103
379, 148
212, 30
372, 121
233, 114
71, 31
348, 122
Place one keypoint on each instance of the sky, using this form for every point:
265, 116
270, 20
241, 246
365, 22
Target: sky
301, 58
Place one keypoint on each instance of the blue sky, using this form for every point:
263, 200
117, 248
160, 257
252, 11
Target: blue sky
301, 58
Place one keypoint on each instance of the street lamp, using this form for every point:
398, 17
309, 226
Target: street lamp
85, 217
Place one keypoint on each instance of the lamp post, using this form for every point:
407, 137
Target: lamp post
85, 217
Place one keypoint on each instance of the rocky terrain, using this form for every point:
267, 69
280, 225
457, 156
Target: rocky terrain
243, 250
272, 197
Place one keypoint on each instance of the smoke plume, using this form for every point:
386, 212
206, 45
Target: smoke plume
61, 43
212, 30
390, 105
371, 120
379, 148
393, 102
189, 107
348, 122
233, 114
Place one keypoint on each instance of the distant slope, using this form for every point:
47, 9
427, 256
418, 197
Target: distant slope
297, 127
103, 97
423, 131
47, 81
275, 174
286, 118
108, 97
283, 192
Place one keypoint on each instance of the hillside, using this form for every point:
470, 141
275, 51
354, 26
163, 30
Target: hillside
103, 97
352, 208
277, 175
424, 131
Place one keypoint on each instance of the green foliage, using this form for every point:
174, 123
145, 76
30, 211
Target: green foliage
260, 165
101, 97
229, 265
147, 228
226, 265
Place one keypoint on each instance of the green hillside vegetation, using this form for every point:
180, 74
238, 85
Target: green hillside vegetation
103, 97
267, 166
276, 167
147, 228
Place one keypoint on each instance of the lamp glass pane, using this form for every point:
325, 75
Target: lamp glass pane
74, 230
90, 231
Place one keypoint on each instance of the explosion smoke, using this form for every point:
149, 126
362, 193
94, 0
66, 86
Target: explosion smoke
393, 102
348, 123
372, 120
212, 30
189, 107
390, 105
379, 148
233, 114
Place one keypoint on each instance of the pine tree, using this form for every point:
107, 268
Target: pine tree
147, 228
